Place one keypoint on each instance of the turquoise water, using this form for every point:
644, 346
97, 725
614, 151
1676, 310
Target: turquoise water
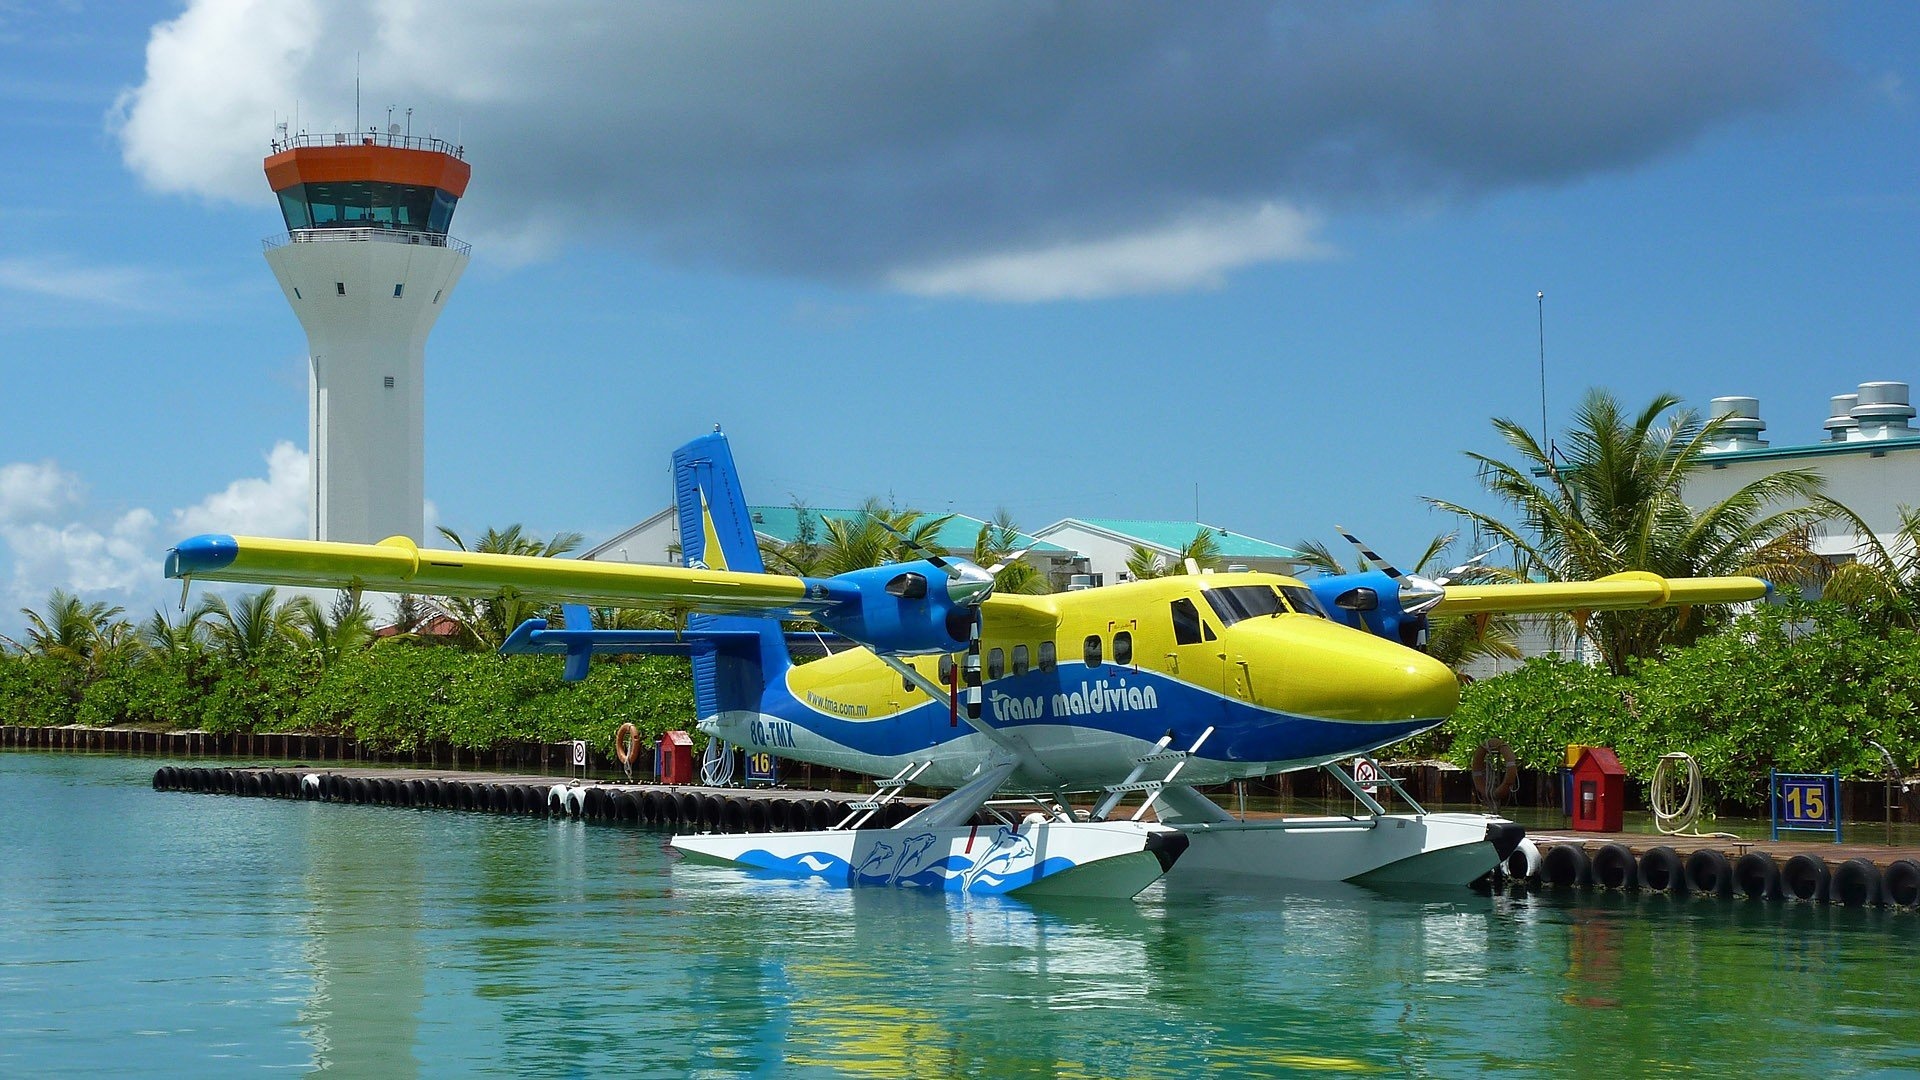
174, 934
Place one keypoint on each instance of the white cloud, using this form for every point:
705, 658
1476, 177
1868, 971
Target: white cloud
273, 506
129, 288
1196, 251
215, 77
35, 491
119, 560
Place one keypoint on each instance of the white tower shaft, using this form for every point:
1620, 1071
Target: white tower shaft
367, 300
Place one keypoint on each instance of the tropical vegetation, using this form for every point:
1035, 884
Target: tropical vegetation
1799, 686
260, 661
1606, 497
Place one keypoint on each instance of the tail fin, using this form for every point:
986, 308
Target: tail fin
716, 532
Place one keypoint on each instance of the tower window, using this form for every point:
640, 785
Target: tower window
397, 290
436, 295
296, 292
340, 288
389, 382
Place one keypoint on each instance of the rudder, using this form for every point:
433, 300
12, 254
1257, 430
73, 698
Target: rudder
716, 533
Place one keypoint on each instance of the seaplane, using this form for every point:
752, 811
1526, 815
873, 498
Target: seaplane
1041, 717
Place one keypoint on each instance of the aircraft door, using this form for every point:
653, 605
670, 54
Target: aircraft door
1197, 656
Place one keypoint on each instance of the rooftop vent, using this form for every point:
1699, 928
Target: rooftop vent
1740, 425
1841, 425
1883, 411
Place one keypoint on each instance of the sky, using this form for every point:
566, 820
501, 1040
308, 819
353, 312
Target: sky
1277, 261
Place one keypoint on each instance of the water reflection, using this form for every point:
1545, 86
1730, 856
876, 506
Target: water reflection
221, 934
361, 941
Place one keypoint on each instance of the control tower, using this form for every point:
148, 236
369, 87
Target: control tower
367, 265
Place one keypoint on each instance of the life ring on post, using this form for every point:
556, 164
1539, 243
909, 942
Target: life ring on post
626, 746
1481, 779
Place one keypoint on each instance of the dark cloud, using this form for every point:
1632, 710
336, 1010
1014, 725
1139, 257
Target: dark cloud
850, 140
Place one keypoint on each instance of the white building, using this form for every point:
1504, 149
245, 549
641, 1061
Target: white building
1107, 543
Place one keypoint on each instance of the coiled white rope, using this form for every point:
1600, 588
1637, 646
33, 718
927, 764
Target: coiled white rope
716, 766
1675, 810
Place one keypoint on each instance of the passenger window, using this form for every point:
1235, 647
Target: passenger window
1123, 647
996, 663
1093, 650
1047, 660
906, 684
1019, 659
946, 670
1186, 622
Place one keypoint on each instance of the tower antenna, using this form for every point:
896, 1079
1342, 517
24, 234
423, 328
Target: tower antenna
1540, 310
356, 93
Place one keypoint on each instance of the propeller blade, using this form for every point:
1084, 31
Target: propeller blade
1368, 554
1452, 575
1012, 557
926, 553
1418, 595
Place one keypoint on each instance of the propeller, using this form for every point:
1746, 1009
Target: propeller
1418, 595
968, 584
1454, 574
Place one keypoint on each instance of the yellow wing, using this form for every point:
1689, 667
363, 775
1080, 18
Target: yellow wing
397, 564
1633, 589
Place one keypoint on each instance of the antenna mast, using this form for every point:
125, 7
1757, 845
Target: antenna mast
1540, 308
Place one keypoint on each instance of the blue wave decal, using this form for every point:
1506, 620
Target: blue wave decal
952, 874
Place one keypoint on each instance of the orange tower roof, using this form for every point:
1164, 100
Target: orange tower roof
368, 161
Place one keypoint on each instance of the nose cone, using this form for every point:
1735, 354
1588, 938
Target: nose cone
1327, 670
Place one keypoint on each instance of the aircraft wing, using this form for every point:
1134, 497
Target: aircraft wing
1633, 589
397, 564
1036, 615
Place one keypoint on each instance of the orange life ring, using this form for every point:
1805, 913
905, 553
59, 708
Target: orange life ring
626, 744
1480, 777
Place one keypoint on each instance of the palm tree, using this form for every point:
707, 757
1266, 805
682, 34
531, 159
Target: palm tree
341, 629
857, 542
163, 639
996, 545
799, 556
80, 633
1607, 498
248, 629
1883, 580
485, 623
1204, 549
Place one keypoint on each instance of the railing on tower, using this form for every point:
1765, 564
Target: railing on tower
368, 232
370, 137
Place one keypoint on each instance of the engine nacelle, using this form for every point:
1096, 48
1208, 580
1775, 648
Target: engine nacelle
1371, 601
902, 608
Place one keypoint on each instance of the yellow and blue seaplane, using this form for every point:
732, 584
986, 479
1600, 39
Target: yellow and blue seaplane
1146, 689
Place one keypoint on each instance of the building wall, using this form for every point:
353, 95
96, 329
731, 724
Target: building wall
1873, 487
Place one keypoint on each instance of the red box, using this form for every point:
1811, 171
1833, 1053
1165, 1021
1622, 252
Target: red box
673, 758
1599, 791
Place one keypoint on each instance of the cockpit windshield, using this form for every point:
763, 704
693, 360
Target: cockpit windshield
1301, 599
1236, 602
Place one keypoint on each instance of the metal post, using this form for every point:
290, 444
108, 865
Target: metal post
1773, 800
1836, 806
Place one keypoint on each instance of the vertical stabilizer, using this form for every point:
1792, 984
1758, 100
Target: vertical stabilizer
716, 532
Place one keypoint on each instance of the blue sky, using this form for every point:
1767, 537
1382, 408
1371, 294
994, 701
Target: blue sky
1069, 261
